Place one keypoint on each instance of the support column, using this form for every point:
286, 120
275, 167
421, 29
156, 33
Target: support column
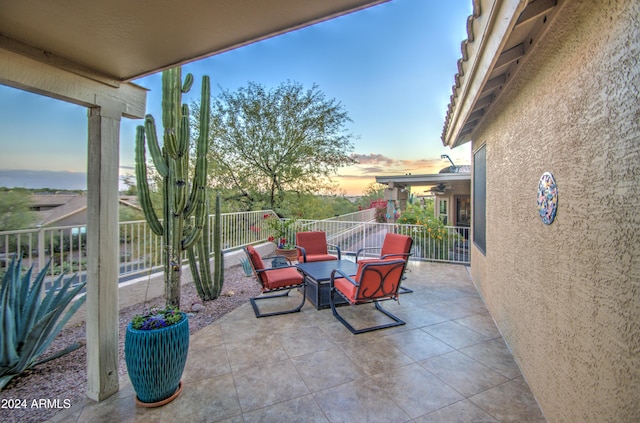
102, 250
391, 195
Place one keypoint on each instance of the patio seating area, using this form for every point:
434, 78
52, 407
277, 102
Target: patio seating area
448, 363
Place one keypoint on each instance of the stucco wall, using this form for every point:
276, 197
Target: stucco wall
567, 296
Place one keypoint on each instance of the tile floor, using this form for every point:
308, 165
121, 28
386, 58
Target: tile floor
447, 364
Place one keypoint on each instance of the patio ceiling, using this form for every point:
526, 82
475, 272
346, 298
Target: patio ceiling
500, 35
424, 180
115, 41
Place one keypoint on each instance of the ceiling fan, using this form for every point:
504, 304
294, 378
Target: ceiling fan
439, 189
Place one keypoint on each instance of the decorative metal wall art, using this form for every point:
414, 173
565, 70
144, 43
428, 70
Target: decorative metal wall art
547, 198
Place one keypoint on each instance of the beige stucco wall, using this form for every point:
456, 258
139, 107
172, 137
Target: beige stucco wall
567, 296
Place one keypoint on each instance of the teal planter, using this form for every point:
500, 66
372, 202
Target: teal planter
156, 359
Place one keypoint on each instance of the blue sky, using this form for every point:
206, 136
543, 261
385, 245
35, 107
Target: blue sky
391, 66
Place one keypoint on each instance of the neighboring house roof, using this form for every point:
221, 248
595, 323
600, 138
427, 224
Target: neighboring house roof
500, 35
52, 208
115, 41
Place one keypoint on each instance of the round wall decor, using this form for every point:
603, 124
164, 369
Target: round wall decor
547, 198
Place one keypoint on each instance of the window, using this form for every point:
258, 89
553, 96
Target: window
480, 198
442, 212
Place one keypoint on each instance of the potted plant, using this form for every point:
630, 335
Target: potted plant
157, 341
155, 348
284, 237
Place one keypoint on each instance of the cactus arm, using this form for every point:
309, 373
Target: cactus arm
188, 82
195, 231
154, 146
171, 94
194, 273
143, 185
218, 257
185, 132
200, 174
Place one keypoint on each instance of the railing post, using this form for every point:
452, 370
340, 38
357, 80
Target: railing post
41, 249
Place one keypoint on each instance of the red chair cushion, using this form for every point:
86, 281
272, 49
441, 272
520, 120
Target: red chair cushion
318, 257
278, 278
255, 258
347, 288
314, 243
396, 244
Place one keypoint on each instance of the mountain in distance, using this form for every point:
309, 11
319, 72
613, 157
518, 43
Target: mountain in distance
34, 179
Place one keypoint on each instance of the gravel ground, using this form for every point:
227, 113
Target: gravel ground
65, 378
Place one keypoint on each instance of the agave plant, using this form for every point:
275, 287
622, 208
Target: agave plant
29, 320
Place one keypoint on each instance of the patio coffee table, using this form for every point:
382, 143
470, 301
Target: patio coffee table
318, 275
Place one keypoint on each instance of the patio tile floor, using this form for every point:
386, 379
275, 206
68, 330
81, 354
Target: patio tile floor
447, 364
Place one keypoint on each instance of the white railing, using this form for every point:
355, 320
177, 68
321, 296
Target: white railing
140, 249
447, 244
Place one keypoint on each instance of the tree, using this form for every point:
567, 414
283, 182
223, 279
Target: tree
372, 192
264, 143
15, 211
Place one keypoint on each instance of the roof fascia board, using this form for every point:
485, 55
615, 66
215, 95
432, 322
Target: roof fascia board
495, 25
54, 60
31, 75
421, 179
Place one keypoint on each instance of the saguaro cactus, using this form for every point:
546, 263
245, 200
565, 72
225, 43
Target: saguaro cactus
181, 201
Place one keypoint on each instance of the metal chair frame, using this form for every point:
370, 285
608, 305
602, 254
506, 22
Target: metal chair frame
258, 274
404, 256
384, 296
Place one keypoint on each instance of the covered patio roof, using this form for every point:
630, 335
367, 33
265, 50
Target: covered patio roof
424, 180
115, 41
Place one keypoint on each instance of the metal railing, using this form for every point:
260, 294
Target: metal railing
447, 244
141, 250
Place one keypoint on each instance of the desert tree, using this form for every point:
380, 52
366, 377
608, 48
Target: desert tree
266, 142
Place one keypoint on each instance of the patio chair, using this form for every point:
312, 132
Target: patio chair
394, 247
313, 246
375, 281
274, 280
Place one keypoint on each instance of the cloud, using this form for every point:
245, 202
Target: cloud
369, 165
372, 159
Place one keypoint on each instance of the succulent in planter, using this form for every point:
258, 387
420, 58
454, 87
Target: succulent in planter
156, 319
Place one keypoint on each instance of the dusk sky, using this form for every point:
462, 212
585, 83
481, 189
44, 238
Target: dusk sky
391, 66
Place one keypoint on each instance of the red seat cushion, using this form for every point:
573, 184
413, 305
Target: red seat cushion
281, 277
346, 288
318, 257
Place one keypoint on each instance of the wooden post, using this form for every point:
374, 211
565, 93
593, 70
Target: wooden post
102, 251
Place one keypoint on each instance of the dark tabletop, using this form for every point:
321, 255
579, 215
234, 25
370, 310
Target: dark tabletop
320, 271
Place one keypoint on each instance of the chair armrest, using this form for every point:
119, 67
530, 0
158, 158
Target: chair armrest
366, 248
303, 251
404, 256
337, 248
343, 275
